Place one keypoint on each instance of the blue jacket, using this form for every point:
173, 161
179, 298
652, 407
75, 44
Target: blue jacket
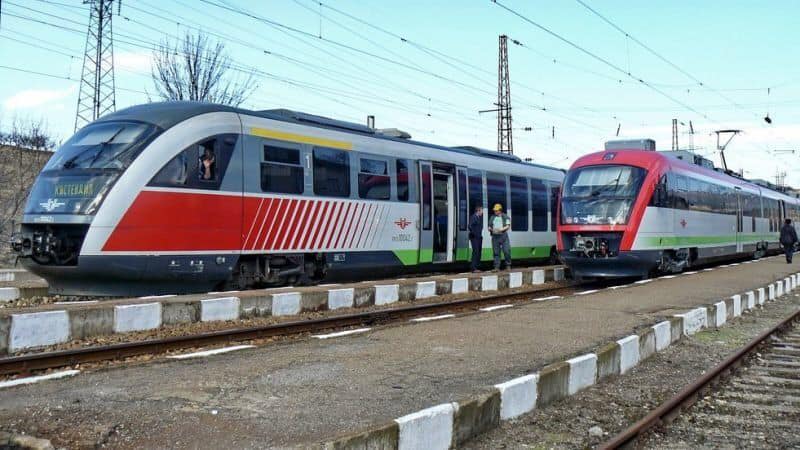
475, 226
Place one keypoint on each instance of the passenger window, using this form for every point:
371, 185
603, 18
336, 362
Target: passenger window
539, 205
373, 179
555, 190
200, 166
331, 172
519, 204
497, 190
427, 180
403, 178
463, 214
475, 189
281, 171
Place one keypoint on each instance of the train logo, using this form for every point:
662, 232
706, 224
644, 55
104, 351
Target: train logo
51, 204
402, 223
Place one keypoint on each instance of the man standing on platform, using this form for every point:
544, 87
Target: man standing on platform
498, 228
788, 239
476, 237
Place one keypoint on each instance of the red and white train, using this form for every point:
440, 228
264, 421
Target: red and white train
630, 211
189, 197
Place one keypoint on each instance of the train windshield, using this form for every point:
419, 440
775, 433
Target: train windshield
600, 195
104, 145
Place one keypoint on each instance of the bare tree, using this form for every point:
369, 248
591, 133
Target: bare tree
24, 150
197, 69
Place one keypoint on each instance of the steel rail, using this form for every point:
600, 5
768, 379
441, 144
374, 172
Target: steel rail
61, 358
670, 409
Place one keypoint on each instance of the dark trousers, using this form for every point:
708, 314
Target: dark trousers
789, 251
477, 248
501, 243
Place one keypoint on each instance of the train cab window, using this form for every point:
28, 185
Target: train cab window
519, 204
539, 205
497, 190
373, 179
475, 189
200, 166
281, 170
331, 172
403, 176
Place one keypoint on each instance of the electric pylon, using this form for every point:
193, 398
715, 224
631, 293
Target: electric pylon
505, 143
96, 96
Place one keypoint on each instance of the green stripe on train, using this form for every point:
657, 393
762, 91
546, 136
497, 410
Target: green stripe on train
414, 257
680, 241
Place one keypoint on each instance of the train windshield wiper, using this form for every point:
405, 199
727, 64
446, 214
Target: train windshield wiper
615, 182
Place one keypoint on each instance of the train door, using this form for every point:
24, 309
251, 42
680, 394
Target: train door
425, 212
443, 216
739, 220
462, 218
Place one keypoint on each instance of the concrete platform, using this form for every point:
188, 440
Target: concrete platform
87, 320
409, 377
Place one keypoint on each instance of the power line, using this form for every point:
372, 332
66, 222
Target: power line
600, 59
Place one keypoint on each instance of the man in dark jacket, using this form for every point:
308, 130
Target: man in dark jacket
788, 239
476, 237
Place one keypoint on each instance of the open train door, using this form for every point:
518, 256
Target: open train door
425, 212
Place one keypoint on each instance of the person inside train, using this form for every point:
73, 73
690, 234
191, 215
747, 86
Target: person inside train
788, 239
476, 237
208, 164
498, 228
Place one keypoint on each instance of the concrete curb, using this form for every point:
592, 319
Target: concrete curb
438, 427
103, 318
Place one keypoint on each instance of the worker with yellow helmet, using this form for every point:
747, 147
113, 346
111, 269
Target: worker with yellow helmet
499, 224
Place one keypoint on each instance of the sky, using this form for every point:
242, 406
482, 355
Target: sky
428, 66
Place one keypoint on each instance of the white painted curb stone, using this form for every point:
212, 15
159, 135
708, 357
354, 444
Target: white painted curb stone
751, 299
514, 280
582, 372
489, 283
7, 276
429, 429
537, 277
778, 289
341, 298
737, 305
215, 309
518, 396
386, 294
425, 289
38, 329
146, 316
771, 292
720, 314
694, 320
8, 294
558, 274
286, 304
459, 286
762, 296
628, 353
663, 332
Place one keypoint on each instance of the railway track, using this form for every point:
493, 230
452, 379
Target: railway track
25, 364
751, 399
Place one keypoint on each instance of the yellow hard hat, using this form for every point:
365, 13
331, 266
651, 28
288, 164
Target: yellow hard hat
497, 207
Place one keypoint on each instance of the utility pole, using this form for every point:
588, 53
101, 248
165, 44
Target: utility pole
674, 134
96, 96
505, 143
722, 147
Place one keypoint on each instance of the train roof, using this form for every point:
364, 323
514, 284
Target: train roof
168, 114
648, 159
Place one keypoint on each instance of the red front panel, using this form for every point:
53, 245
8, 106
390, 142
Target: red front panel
173, 221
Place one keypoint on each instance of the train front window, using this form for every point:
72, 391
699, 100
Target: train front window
104, 145
600, 195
